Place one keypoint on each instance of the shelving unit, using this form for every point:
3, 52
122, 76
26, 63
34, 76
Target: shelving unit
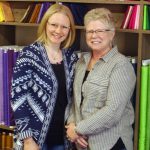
130, 42
6, 137
6, 129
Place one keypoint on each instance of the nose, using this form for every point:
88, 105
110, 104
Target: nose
58, 29
94, 34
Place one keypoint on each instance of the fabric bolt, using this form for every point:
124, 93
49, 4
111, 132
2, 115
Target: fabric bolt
5, 86
143, 107
10, 60
1, 88
148, 113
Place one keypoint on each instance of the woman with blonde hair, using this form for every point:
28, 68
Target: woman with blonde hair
42, 83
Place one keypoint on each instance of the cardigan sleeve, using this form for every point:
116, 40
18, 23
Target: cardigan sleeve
21, 82
72, 56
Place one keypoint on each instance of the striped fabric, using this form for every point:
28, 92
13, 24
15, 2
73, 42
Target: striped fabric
106, 112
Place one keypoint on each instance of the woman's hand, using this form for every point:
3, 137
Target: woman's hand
75, 137
71, 134
29, 144
81, 142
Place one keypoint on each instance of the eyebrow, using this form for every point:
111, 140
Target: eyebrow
58, 24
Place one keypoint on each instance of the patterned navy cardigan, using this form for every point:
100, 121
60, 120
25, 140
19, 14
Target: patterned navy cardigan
34, 92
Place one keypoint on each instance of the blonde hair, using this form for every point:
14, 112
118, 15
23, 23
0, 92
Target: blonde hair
102, 14
57, 8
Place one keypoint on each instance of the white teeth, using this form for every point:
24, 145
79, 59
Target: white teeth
96, 42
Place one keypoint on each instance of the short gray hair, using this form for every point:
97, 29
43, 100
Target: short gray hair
102, 14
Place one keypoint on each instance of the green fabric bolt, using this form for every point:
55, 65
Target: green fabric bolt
143, 107
148, 113
145, 17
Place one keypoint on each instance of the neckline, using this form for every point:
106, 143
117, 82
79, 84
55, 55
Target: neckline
60, 63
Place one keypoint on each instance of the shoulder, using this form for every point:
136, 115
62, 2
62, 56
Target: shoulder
32, 47
120, 60
123, 64
83, 57
30, 50
70, 55
30, 54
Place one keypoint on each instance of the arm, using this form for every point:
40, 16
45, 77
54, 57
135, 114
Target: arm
71, 118
19, 94
121, 86
30, 143
72, 65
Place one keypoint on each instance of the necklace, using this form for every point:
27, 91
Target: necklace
54, 55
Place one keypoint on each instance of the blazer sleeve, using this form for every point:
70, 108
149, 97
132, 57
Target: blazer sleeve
71, 118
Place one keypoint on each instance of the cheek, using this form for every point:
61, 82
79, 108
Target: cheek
111, 37
66, 33
87, 39
88, 43
48, 31
108, 39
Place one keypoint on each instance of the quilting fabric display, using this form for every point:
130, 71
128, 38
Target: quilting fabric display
8, 57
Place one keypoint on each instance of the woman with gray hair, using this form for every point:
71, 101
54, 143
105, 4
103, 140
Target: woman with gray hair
102, 115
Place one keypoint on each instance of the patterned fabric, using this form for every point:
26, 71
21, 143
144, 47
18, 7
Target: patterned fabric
34, 91
106, 112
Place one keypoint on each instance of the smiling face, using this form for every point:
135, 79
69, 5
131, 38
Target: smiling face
98, 36
57, 28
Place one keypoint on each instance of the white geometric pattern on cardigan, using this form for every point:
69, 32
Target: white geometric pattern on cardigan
34, 91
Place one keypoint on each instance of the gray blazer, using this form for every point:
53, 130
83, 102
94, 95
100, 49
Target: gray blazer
106, 112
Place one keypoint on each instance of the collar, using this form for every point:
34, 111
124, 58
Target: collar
110, 54
106, 57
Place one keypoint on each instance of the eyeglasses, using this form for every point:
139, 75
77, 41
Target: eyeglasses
98, 31
55, 26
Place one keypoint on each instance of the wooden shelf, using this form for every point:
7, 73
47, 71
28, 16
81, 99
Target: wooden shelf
83, 1
77, 27
146, 3
146, 31
19, 24
6, 128
28, 24
101, 1
29, 0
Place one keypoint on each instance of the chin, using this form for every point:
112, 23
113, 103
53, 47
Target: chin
56, 42
96, 48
